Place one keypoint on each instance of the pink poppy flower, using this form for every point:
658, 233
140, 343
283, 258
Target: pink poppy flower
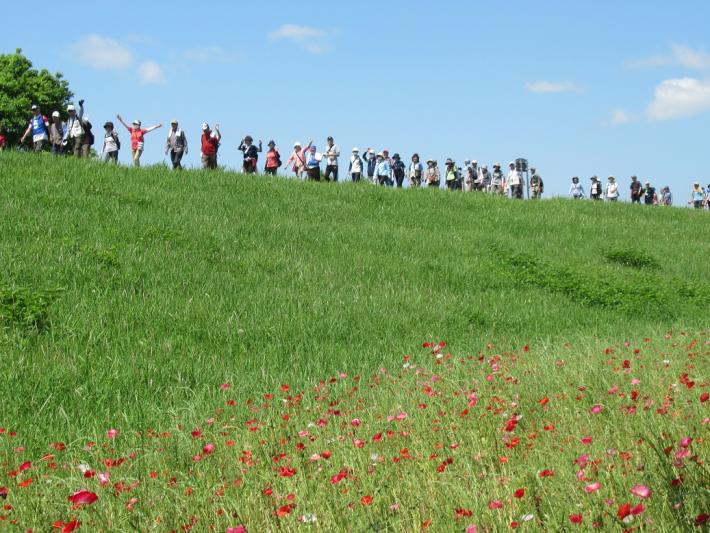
592, 487
642, 491
112, 433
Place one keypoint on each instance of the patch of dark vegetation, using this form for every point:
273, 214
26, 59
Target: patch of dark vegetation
588, 288
26, 309
631, 258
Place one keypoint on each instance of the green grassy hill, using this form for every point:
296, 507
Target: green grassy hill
148, 285
128, 297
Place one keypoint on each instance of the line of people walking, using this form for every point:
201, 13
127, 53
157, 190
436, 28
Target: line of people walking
75, 136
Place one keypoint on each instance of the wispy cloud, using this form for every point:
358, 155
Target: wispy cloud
552, 87
679, 98
310, 39
151, 73
619, 117
102, 53
211, 54
679, 56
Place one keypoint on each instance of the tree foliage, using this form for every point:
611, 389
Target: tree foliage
21, 86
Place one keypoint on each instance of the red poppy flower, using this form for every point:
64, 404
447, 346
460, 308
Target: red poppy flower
285, 510
366, 500
286, 471
519, 493
83, 497
547, 473
575, 518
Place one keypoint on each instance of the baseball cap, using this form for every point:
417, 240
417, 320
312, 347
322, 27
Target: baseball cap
55, 114
205, 126
108, 124
137, 122
34, 107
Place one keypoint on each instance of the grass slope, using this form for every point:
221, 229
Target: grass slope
169, 282
127, 297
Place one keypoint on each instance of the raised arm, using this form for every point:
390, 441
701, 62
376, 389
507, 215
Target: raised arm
260, 147
122, 122
216, 130
81, 111
152, 128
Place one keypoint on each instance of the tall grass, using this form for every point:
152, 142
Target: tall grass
127, 297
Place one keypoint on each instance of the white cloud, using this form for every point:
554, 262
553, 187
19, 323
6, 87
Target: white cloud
310, 39
680, 55
100, 52
211, 54
550, 87
678, 98
151, 73
619, 117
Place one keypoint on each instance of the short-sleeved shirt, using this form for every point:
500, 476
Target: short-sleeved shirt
272, 158
649, 195
137, 135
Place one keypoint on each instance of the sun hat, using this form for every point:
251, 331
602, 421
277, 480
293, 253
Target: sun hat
474, 162
297, 144
647, 183
449, 161
271, 143
356, 149
370, 151
34, 107
108, 124
593, 178
395, 156
55, 114
429, 161
137, 122
70, 107
174, 121
511, 164
380, 154
205, 126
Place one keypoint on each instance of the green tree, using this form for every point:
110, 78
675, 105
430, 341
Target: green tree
21, 86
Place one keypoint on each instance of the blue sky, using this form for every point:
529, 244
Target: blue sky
578, 88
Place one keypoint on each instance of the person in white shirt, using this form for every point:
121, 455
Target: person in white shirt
355, 168
514, 182
331, 155
416, 171
611, 192
111, 144
576, 190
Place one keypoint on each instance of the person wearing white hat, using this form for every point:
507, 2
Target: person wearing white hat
210, 146
383, 170
650, 197
74, 130
514, 182
611, 191
331, 155
56, 134
39, 127
297, 160
355, 168
176, 144
371, 161
137, 138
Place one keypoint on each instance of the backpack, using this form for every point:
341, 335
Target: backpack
90, 136
116, 139
278, 159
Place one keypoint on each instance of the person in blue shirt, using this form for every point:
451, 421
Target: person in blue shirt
382, 170
39, 127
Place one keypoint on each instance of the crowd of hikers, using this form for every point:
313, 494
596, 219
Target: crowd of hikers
74, 135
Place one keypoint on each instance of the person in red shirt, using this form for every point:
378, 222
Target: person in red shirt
3, 141
137, 134
210, 146
273, 159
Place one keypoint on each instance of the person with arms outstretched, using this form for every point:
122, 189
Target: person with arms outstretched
137, 138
